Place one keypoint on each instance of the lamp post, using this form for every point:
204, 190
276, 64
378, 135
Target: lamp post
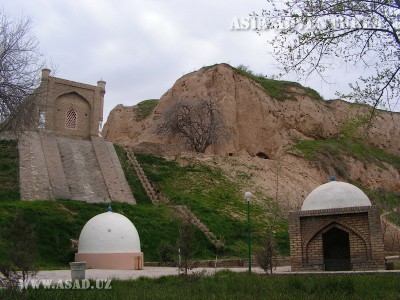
247, 195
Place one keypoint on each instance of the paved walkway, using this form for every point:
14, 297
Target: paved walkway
152, 272
155, 272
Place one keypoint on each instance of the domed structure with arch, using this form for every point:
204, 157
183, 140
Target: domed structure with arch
110, 241
337, 228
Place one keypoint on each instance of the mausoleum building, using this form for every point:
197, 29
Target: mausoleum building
65, 157
337, 228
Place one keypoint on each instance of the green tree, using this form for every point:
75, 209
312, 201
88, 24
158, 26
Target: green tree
22, 252
314, 35
167, 252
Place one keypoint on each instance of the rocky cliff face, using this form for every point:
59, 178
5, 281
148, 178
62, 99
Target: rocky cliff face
256, 121
260, 124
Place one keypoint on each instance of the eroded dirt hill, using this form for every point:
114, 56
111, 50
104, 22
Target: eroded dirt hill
268, 118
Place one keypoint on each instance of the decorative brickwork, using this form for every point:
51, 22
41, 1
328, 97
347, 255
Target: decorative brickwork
71, 118
71, 108
65, 158
360, 224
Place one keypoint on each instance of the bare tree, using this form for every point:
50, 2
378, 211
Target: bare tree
267, 253
20, 64
185, 244
313, 36
199, 123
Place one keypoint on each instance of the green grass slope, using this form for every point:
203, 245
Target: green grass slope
217, 201
214, 199
330, 153
56, 222
133, 180
9, 187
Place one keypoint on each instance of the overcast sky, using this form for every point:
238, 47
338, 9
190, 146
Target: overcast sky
140, 48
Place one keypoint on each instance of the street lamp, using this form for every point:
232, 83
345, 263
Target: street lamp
247, 195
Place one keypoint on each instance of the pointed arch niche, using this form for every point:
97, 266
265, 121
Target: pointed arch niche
72, 116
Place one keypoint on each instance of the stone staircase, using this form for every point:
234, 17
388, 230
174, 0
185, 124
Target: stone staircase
142, 177
182, 210
187, 214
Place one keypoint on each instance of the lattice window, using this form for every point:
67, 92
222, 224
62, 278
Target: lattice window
42, 119
71, 119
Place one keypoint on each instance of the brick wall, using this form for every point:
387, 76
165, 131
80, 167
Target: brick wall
34, 182
83, 118
54, 166
361, 223
58, 95
82, 170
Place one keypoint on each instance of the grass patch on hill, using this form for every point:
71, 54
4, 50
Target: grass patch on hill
215, 200
279, 89
330, 152
144, 109
394, 217
229, 285
9, 185
56, 222
388, 202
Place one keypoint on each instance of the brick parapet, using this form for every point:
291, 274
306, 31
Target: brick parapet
333, 211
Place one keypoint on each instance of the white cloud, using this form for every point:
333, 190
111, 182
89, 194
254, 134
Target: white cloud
141, 47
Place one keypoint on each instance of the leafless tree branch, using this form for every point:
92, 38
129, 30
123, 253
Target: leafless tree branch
198, 122
20, 65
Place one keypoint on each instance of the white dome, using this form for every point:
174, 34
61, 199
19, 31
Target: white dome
335, 195
109, 233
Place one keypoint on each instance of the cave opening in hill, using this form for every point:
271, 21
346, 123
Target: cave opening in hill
262, 155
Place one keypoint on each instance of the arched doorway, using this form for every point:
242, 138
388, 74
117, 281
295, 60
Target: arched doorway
336, 246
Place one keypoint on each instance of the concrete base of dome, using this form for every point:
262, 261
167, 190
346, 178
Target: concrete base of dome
112, 261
